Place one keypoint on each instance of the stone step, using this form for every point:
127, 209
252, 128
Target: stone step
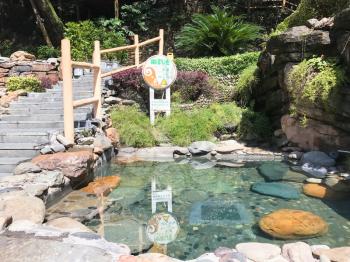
50, 99
37, 136
22, 104
42, 117
58, 93
44, 111
49, 125
8, 164
18, 150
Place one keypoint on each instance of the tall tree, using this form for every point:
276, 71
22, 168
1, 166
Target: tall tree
40, 24
51, 21
116, 9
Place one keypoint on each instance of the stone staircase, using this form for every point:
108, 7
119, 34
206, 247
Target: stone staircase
32, 119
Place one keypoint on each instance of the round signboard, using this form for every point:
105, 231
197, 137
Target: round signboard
162, 228
159, 72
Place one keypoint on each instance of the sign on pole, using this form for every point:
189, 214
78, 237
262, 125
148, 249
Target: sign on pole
159, 73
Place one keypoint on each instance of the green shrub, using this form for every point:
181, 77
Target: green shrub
185, 127
217, 34
218, 66
83, 34
254, 125
247, 80
316, 80
308, 9
45, 52
27, 83
134, 126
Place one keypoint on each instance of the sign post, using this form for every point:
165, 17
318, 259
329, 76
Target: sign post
159, 73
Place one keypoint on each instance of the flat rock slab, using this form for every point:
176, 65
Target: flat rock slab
201, 147
275, 189
45, 250
68, 224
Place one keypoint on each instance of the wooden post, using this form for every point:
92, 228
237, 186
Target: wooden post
66, 68
161, 42
96, 60
137, 50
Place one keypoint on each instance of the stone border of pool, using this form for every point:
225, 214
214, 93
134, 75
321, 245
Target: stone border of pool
50, 177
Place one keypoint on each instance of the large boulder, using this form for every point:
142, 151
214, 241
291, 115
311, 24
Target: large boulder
71, 164
280, 190
318, 158
23, 208
293, 224
201, 147
102, 185
21, 56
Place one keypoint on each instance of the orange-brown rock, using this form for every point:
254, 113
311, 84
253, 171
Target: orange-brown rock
102, 185
322, 192
113, 135
293, 224
125, 160
71, 164
11, 96
22, 56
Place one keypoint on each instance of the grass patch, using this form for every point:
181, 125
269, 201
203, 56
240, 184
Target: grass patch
184, 127
133, 126
246, 83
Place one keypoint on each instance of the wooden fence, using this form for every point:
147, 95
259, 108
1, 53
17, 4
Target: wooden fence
67, 66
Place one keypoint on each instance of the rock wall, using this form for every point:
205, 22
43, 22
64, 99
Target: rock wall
24, 64
326, 129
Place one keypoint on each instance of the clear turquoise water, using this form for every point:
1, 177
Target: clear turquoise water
230, 210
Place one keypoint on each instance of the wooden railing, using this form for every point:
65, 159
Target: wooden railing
67, 66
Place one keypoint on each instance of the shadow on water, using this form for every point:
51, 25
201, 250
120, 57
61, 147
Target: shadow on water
341, 207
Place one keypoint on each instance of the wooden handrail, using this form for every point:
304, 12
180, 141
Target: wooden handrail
116, 49
67, 65
84, 65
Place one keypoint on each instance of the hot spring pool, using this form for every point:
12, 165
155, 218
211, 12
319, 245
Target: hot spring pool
214, 207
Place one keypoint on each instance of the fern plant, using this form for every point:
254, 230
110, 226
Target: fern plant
217, 34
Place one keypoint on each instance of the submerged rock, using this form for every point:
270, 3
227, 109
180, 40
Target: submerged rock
102, 185
276, 189
322, 192
317, 172
293, 224
277, 171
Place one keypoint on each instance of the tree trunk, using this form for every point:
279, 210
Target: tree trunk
52, 22
116, 9
40, 24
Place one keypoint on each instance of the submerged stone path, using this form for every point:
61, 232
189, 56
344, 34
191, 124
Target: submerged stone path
31, 121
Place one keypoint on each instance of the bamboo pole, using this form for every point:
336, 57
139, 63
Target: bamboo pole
117, 71
116, 49
97, 80
137, 50
150, 41
85, 101
66, 68
83, 65
161, 41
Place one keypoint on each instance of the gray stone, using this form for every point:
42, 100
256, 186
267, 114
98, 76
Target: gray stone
201, 147
317, 158
314, 180
280, 190
46, 250
86, 141
127, 231
112, 100
23, 208
64, 141
316, 172
46, 150
26, 167
35, 189
103, 142
68, 224
311, 23
58, 148
276, 171
296, 155
50, 178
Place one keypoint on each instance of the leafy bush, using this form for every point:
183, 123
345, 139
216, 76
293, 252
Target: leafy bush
83, 34
308, 9
45, 52
218, 66
216, 34
316, 80
134, 126
27, 83
189, 86
246, 83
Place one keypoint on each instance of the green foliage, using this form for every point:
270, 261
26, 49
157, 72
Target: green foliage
45, 52
254, 125
27, 83
185, 127
217, 34
135, 15
218, 66
83, 34
133, 126
247, 80
308, 9
316, 80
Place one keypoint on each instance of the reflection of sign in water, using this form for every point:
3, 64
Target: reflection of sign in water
159, 196
162, 228
159, 72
